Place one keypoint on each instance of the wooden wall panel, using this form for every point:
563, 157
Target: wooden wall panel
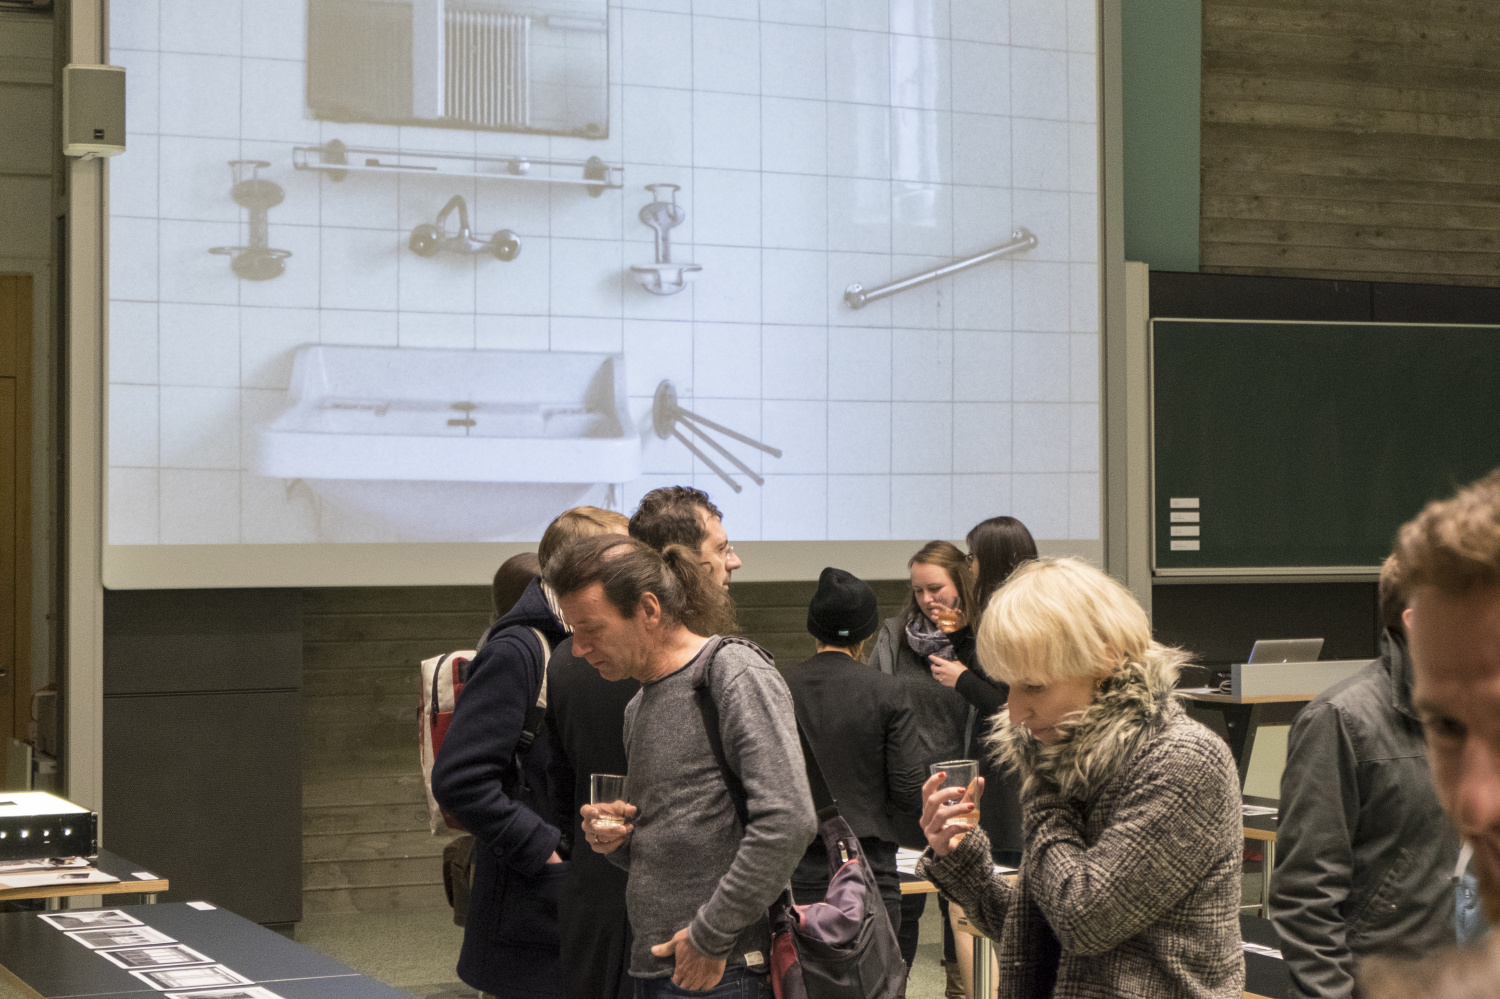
1352, 139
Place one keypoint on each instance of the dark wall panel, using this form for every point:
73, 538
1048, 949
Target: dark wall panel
1219, 622
200, 789
202, 743
160, 641
1229, 296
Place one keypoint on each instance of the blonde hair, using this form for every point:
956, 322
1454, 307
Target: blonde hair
579, 522
1061, 617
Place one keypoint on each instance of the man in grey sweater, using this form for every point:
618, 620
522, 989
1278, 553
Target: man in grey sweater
699, 880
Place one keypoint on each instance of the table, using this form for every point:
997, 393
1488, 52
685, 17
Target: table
1243, 715
109, 863
984, 947
1262, 828
44, 963
1265, 977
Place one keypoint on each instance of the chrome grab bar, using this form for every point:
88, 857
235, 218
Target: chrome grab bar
858, 297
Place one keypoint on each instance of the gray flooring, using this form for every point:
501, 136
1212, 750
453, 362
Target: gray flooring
416, 951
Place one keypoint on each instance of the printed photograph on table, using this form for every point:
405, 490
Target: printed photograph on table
87, 920
836, 264
252, 992
202, 976
124, 936
155, 957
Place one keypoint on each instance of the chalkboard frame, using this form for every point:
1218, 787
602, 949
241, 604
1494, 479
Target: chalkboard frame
1179, 567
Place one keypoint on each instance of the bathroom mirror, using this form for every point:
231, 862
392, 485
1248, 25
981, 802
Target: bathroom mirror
539, 66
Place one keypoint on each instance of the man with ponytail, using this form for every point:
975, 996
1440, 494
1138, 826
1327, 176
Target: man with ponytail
700, 879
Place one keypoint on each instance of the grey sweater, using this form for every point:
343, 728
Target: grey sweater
690, 861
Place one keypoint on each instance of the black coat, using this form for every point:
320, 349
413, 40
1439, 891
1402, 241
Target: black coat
860, 725
510, 937
1365, 855
585, 724
1000, 809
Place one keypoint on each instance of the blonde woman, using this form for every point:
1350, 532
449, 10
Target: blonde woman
1130, 871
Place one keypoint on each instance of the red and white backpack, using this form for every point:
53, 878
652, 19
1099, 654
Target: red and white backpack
442, 683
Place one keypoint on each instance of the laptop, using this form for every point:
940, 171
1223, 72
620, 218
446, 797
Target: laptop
1285, 650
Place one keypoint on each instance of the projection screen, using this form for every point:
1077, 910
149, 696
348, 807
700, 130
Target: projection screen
394, 282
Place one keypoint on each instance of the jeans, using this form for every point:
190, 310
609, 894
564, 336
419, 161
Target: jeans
737, 983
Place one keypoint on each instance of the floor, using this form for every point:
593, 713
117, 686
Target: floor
416, 951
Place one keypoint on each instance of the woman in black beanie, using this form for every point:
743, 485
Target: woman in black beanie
859, 723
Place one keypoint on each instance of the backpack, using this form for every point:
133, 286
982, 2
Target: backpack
443, 680
842, 947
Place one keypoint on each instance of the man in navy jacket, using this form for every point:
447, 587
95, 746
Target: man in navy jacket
493, 779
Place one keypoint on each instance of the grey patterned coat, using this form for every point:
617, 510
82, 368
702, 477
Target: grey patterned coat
1130, 877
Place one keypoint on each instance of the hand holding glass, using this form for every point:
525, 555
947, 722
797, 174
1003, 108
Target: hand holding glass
964, 774
606, 789
948, 619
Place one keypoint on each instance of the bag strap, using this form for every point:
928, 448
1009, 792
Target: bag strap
822, 797
709, 710
536, 715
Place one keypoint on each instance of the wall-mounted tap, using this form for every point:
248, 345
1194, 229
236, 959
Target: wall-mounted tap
255, 194
664, 277
430, 240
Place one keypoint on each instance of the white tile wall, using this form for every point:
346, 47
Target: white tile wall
817, 143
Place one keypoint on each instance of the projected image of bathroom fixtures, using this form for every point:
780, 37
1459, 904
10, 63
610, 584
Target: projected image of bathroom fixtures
667, 416
255, 194
858, 296
664, 277
337, 161
430, 240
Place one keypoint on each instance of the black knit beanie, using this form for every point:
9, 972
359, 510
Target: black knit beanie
844, 611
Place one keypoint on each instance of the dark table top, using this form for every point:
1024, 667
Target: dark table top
1264, 975
53, 965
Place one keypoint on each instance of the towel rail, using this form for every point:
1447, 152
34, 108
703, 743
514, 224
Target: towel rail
858, 296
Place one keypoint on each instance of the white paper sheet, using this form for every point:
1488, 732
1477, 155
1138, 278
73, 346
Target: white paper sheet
59, 877
87, 920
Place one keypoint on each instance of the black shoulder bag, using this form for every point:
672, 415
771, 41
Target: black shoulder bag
842, 947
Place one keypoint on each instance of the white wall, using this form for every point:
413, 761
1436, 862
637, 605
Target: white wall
817, 144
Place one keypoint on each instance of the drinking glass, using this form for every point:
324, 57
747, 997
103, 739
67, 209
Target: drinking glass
959, 773
605, 789
948, 619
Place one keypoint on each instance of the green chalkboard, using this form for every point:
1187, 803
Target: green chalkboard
1306, 445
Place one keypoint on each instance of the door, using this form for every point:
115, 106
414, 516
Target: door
15, 515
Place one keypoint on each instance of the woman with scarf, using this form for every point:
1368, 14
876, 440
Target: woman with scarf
935, 621
1130, 874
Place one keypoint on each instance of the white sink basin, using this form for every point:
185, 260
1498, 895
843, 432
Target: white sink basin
461, 445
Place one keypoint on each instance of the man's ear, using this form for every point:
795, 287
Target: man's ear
650, 609
1406, 619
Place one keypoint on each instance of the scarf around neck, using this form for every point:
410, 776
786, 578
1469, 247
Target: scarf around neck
927, 639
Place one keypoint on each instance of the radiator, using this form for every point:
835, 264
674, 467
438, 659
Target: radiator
487, 76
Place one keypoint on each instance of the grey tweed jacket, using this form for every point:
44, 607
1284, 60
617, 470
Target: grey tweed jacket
1130, 876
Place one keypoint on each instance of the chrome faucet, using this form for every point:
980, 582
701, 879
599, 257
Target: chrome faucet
663, 277
662, 217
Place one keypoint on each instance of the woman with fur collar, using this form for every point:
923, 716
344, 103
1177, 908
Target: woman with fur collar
1130, 874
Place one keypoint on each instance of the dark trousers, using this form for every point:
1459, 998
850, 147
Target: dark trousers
737, 983
810, 879
595, 933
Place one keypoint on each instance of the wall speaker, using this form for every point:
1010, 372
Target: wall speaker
93, 111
